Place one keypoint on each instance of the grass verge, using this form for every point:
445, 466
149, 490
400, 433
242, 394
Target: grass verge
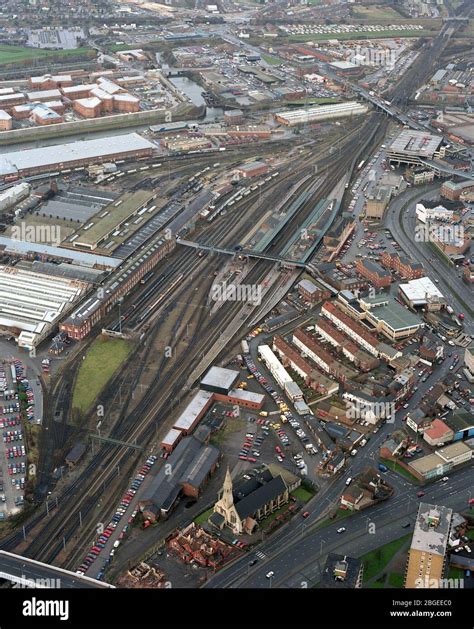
377, 560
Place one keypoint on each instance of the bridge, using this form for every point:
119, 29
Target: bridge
29, 573
390, 110
242, 252
439, 169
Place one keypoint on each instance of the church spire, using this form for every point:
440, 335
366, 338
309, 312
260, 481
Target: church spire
227, 496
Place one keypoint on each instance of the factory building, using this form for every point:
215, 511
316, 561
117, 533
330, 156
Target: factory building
422, 293
252, 169
31, 303
75, 154
6, 122
452, 190
389, 317
410, 147
324, 112
80, 323
233, 116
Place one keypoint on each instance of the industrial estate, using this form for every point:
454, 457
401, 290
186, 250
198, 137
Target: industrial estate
236, 295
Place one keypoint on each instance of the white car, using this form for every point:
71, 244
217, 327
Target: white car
270, 574
342, 529
445, 479
349, 481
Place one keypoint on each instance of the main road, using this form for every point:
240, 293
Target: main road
297, 562
401, 220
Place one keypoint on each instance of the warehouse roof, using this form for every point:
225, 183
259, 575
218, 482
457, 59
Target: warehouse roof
33, 302
220, 377
4, 115
248, 396
420, 290
73, 151
80, 257
454, 450
196, 407
386, 309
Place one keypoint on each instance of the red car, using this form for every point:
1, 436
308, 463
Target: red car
420, 494
305, 514
251, 459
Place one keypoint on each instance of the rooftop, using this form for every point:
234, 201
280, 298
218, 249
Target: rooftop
220, 377
431, 529
418, 143
64, 153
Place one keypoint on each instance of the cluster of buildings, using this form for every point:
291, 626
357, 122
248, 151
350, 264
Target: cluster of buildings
50, 96
452, 85
365, 490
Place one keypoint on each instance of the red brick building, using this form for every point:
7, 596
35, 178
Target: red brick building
402, 265
376, 275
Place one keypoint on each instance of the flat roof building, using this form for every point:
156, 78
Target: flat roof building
427, 554
219, 380
410, 147
31, 304
62, 156
420, 292
323, 112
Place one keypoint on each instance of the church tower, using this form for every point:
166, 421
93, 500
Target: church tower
227, 499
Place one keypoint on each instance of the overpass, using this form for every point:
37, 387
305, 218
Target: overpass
243, 252
440, 169
29, 573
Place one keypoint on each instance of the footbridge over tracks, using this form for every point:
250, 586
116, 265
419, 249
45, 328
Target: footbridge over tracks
29, 573
242, 252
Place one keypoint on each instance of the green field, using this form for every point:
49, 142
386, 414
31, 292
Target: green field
102, 360
19, 55
360, 35
376, 560
375, 13
271, 60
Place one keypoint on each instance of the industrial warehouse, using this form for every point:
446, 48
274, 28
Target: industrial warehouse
316, 114
73, 155
31, 304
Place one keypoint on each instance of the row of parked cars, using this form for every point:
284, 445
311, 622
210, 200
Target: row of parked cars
10, 422
12, 435
103, 537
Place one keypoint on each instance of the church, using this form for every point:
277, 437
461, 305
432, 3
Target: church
241, 505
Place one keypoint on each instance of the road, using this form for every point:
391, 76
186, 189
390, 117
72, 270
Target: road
404, 233
296, 562
405, 494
